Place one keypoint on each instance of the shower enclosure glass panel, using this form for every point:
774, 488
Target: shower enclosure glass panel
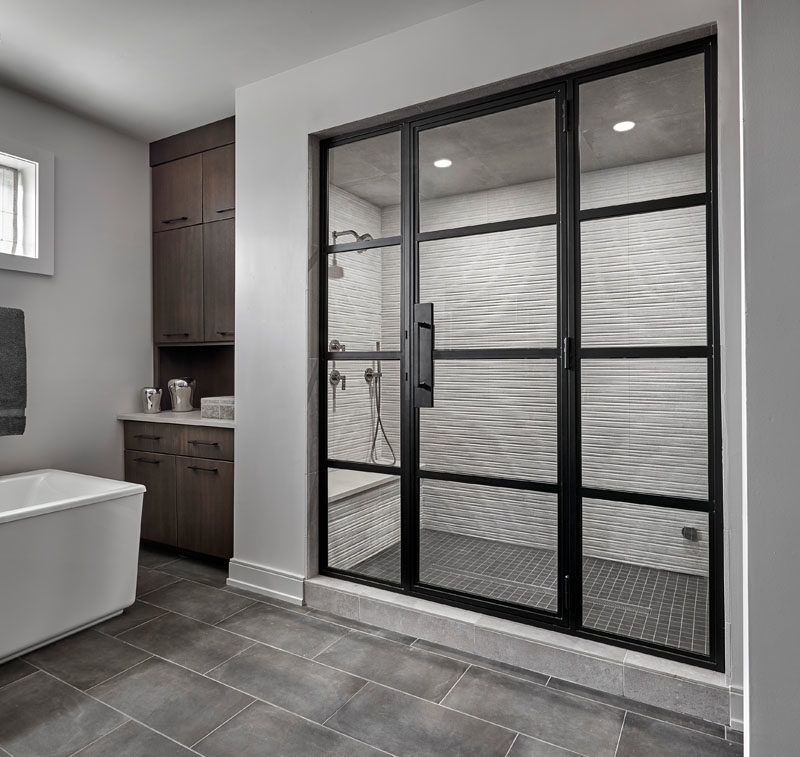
364, 415
492, 168
364, 189
642, 134
493, 418
645, 573
492, 290
364, 299
490, 541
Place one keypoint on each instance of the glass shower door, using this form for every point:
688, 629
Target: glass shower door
487, 372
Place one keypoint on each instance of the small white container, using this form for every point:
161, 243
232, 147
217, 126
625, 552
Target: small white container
218, 408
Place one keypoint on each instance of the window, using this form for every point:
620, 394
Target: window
26, 208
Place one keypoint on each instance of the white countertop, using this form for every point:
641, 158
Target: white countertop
192, 418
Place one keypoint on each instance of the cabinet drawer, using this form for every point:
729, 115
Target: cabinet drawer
206, 441
159, 512
205, 506
152, 437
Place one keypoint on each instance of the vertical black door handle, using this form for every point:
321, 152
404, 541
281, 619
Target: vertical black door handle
423, 371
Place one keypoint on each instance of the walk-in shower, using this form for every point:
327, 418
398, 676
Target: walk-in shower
520, 375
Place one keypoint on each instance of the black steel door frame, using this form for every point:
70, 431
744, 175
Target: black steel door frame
568, 352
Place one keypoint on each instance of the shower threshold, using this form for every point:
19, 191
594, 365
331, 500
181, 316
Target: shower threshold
634, 601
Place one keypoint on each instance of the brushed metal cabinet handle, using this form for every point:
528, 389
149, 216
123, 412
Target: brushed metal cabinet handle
174, 220
205, 444
198, 467
145, 460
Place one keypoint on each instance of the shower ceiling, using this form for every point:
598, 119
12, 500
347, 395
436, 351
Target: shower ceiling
515, 147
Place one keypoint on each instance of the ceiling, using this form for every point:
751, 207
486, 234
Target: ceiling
152, 68
666, 101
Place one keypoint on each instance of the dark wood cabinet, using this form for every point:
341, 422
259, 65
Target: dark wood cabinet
219, 280
219, 199
189, 498
178, 193
205, 517
159, 510
178, 285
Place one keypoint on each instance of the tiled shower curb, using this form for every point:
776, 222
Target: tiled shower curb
644, 678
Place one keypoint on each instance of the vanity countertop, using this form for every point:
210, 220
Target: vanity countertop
192, 418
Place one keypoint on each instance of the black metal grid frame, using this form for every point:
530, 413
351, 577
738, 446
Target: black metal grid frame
564, 92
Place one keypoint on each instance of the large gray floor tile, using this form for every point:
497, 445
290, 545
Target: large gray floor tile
186, 642
183, 705
294, 632
410, 727
134, 740
562, 719
265, 731
87, 658
296, 684
153, 557
482, 662
198, 601
14, 670
654, 738
148, 580
209, 573
43, 717
135, 615
414, 671
525, 746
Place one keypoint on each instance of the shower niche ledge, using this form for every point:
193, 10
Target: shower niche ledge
644, 678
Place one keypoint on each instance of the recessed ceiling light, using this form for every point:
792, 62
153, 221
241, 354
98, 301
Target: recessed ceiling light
624, 126
443, 163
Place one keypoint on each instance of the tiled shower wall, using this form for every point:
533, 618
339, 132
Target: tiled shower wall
499, 417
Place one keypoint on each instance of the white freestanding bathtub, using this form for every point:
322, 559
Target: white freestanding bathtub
68, 554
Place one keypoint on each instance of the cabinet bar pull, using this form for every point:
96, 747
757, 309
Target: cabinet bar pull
197, 467
225, 210
146, 436
175, 333
173, 220
145, 460
205, 444
226, 333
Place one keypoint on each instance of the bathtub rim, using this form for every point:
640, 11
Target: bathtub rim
119, 490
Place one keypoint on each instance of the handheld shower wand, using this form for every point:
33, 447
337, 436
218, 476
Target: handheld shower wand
373, 378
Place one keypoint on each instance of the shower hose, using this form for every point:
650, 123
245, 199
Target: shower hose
376, 390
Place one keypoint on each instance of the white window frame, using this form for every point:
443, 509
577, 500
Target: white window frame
38, 191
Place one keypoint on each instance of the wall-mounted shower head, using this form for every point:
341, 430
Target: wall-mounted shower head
358, 237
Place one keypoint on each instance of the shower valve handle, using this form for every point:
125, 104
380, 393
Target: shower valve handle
337, 378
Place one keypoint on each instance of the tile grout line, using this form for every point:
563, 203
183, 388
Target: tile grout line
232, 657
21, 678
132, 628
447, 693
110, 678
511, 745
328, 646
346, 702
619, 738
99, 738
224, 722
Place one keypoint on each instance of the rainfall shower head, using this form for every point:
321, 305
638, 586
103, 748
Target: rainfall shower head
359, 237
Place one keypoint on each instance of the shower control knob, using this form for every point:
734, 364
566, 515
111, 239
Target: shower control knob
369, 374
337, 378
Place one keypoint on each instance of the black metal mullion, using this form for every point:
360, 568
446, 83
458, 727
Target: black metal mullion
496, 481
509, 353
393, 470
322, 373
368, 244
635, 352
652, 500
365, 355
493, 227
660, 204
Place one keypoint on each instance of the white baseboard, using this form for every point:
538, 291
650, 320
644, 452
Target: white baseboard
270, 582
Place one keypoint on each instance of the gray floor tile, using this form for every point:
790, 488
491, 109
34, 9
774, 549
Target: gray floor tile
134, 740
294, 683
42, 716
153, 557
357, 625
135, 615
209, 573
265, 731
482, 662
408, 726
186, 641
86, 659
14, 670
198, 601
687, 721
414, 671
281, 628
571, 722
525, 746
183, 705
645, 736
148, 580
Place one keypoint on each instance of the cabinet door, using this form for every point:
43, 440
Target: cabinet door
218, 184
178, 193
205, 506
159, 513
219, 273
178, 285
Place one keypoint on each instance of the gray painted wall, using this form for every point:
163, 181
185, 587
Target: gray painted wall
771, 88
88, 327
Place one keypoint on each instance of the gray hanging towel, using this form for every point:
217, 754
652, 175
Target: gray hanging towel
13, 372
